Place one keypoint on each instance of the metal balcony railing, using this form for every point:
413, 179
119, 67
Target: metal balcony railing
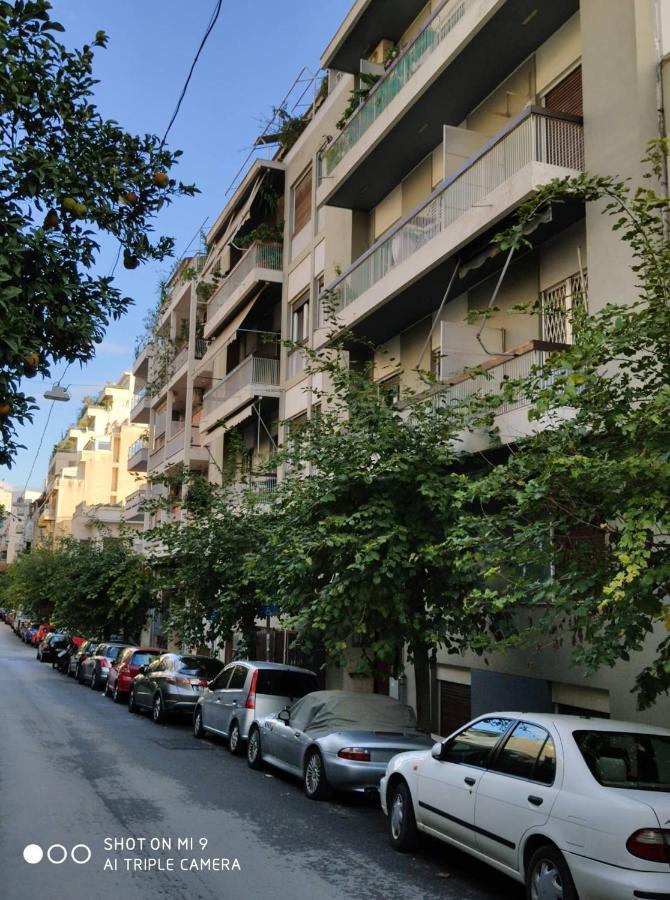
536, 136
138, 398
460, 388
254, 370
258, 256
393, 81
560, 304
140, 444
200, 348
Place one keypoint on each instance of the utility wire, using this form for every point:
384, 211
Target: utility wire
208, 31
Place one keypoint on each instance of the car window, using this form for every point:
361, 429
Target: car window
113, 652
238, 678
125, 657
473, 745
139, 659
282, 683
527, 753
626, 759
157, 665
199, 666
222, 679
100, 649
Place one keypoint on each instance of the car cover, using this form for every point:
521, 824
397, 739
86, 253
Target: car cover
324, 712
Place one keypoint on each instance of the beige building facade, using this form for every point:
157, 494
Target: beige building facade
387, 210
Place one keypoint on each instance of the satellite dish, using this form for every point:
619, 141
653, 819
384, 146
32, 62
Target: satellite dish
57, 392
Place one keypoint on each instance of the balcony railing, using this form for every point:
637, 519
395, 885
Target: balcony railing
393, 81
200, 348
536, 136
560, 304
258, 256
254, 370
179, 360
139, 445
138, 398
498, 370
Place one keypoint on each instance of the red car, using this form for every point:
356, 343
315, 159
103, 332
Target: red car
125, 668
41, 633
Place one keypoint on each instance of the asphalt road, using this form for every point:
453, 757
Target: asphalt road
77, 769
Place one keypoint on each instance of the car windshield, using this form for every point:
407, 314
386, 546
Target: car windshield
280, 683
199, 666
621, 759
113, 652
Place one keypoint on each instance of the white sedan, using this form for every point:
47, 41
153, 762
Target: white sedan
575, 808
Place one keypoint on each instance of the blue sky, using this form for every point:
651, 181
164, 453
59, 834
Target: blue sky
249, 63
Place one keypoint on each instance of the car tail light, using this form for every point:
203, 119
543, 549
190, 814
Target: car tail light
652, 844
359, 754
251, 696
200, 682
181, 681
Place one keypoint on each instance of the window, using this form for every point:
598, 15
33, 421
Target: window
301, 203
474, 745
199, 667
528, 752
139, 659
300, 318
627, 760
222, 679
238, 678
390, 390
280, 683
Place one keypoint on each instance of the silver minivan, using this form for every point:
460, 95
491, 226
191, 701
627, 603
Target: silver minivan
244, 691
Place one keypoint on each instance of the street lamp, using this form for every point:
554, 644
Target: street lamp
57, 392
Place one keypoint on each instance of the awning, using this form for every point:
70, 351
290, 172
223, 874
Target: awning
229, 331
240, 218
240, 417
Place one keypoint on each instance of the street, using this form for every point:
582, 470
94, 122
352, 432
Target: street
77, 769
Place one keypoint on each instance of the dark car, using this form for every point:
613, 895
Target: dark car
87, 649
95, 668
172, 684
49, 649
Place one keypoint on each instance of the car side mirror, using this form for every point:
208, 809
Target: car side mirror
439, 750
284, 716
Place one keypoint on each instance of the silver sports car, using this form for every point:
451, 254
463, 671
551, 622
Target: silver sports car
335, 740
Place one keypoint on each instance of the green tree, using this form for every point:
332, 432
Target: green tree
358, 549
26, 585
68, 177
570, 534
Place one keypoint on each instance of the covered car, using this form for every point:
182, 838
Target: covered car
338, 740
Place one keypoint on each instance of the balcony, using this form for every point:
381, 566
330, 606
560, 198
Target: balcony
261, 263
534, 148
132, 510
465, 51
139, 410
257, 376
138, 455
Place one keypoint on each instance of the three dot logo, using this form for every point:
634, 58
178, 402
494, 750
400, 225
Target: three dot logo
57, 854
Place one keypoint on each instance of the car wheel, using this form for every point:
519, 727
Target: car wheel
157, 710
116, 694
403, 832
235, 739
254, 755
548, 876
315, 783
80, 675
106, 690
198, 730
132, 705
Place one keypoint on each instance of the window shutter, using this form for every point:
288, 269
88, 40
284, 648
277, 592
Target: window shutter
567, 95
302, 202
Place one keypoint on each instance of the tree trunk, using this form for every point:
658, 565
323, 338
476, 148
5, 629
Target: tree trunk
422, 677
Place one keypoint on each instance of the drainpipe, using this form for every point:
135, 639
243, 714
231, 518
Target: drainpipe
660, 106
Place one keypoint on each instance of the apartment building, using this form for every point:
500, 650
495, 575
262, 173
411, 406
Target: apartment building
88, 479
476, 103
389, 207
16, 505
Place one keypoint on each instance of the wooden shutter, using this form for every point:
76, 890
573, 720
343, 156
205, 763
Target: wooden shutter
567, 95
302, 202
454, 706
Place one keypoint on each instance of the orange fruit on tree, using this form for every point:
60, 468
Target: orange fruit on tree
51, 219
31, 359
131, 197
161, 179
5, 409
69, 204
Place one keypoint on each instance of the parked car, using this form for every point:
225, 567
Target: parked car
95, 668
87, 649
244, 691
63, 656
125, 667
41, 633
339, 740
572, 807
28, 634
172, 684
51, 646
